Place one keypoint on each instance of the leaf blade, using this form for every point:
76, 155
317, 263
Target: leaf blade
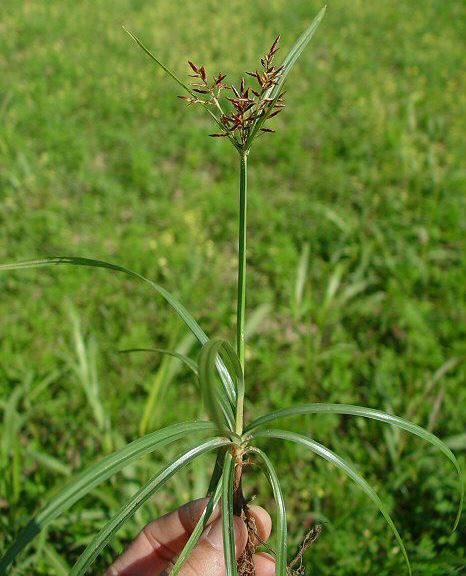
90, 262
157, 61
219, 402
282, 529
344, 466
296, 51
182, 357
288, 63
181, 83
95, 475
227, 516
103, 537
351, 410
198, 530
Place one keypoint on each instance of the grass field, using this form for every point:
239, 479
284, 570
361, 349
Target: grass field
356, 279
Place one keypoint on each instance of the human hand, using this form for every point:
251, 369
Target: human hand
156, 548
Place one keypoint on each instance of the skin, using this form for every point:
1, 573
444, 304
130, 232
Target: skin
157, 546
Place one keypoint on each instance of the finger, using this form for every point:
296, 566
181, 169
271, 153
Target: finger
265, 564
263, 522
161, 541
207, 557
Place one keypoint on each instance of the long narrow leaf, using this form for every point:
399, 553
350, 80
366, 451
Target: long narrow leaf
227, 516
95, 475
219, 402
217, 471
296, 51
180, 82
185, 359
198, 530
350, 410
178, 307
228, 357
157, 61
346, 468
288, 63
104, 536
282, 530
78, 261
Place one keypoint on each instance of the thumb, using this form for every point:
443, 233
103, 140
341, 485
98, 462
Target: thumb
207, 558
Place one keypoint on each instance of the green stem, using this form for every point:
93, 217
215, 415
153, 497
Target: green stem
243, 190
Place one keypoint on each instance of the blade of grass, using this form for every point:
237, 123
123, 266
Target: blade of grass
104, 536
83, 363
95, 475
227, 516
185, 359
347, 468
350, 410
198, 530
55, 561
281, 525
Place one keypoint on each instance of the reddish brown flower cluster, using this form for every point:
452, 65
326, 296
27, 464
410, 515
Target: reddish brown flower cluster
247, 105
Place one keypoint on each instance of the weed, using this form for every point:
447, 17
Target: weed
220, 369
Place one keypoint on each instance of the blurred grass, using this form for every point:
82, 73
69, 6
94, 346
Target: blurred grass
356, 240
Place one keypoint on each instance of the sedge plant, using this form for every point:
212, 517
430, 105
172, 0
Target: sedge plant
241, 114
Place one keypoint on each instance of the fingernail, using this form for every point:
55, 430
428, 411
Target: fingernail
214, 535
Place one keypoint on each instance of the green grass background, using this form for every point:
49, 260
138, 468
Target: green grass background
356, 280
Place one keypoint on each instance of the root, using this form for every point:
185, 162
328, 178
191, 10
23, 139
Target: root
246, 560
309, 539
240, 508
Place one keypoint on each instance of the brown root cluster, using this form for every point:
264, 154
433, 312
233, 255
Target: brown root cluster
240, 508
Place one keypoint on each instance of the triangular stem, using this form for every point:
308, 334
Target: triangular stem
241, 294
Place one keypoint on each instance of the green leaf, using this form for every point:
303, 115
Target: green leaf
95, 475
198, 530
104, 536
185, 359
78, 261
178, 307
281, 525
288, 63
296, 51
227, 516
157, 61
219, 401
345, 467
217, 472
375, 415
181, 83
232, 363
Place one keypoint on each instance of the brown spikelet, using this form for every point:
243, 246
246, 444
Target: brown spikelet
248, 105
274, 47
